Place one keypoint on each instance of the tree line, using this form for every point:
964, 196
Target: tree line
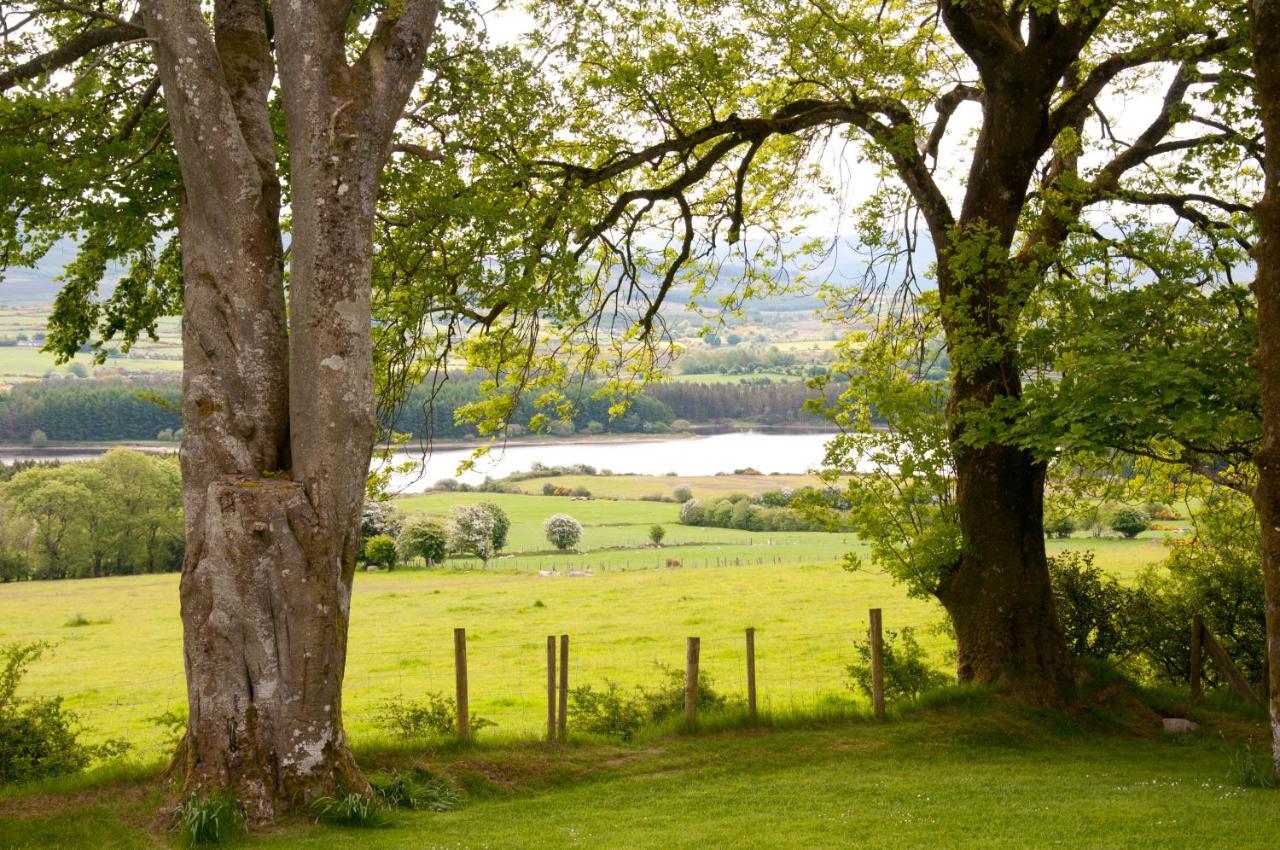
118, 515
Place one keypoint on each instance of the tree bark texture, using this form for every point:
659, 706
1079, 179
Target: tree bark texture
1265, 26
277, 405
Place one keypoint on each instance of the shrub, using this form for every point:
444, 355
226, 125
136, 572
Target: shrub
1060, 527
1218, 576
581, 492
380, 550
38, 737
620, 712
1130, 522
39, 439
210, 820
656, 534
907, 674
449, 485
437, 714
1093, 608
549, 489
682, 494
425, 539
563, 532
14, 566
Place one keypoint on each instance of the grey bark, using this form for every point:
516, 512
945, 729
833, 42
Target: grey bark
277, 406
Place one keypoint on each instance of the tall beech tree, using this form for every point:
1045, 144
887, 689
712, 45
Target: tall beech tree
134, 121
1264, 19
728, 102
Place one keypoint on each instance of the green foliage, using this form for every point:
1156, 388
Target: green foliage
1217, 575
89, 410
436, 714
216, 819
39, 439
14, 566
416, 790
621, 712
907, 673
563, 532
1252, 768
38, 737
1060, 527
1129, 522
119, 514
425, 539
748, 513
656, 534
358, 810
896, 481
501, 525
381, 550
682, 494
1094, 610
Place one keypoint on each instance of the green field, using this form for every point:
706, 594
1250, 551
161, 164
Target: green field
28, 363
629, 615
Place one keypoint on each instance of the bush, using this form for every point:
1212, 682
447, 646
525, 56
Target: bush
549, 489
380, 550
563, 532
425, 539
1093, 609
39, 439
1130, 522
14, 566
1060, 527
620, 712
656, 533
907, 674
682, 494
437, 714
471, 531
581, 492
38, 737
692, 513
1218, 576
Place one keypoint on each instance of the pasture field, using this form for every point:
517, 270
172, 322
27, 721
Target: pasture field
125, 667
28, 363
717, 378
705, 487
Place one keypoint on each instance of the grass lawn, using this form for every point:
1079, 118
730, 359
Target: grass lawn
970, 772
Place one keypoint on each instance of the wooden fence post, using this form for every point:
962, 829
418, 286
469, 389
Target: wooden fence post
563, 723
1197, 630
551, 689
751, 673
460, 674
877, 664
693, 650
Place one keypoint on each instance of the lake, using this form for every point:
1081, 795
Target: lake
767, 453
685, 456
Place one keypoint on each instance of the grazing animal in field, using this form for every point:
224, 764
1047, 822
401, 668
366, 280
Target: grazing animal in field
674, 562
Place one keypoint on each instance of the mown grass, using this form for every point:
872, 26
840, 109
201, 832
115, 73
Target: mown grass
967, 771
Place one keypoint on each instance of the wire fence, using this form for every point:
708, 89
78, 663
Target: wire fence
507, 680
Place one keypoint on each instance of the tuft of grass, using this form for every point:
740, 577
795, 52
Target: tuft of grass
1250, 768
538, 603
417, 790
80, 620
352, 809
202, 821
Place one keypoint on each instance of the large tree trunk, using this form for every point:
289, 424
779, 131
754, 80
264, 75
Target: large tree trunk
1265, 21
277, 407
998, 595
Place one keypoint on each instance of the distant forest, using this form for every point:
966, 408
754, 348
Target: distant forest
89, 410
